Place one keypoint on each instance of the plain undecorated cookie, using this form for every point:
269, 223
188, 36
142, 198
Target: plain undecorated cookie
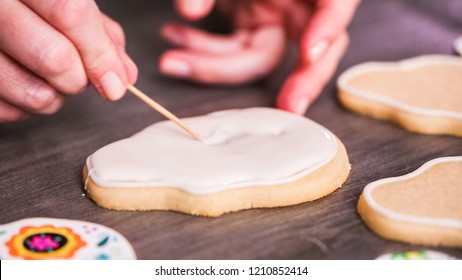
255, 158
422, 94
422, 207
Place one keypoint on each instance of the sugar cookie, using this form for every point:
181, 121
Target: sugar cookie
253, 158
46, 238
422, 207
422, 94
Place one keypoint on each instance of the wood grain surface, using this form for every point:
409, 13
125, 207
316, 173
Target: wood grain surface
42, 157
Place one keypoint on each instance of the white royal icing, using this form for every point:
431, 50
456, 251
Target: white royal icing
444, 222
249, 147
458, 45
407, 64
82, 240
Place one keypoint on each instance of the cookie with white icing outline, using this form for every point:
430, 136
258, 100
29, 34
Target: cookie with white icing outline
48, 238
421, 94
422, 207
254, 158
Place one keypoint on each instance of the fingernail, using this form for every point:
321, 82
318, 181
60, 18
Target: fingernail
112, 86
318, 50
175, 67
173, 35
302, 105
194, 6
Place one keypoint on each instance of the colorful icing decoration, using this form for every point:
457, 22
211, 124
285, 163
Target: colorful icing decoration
46, 238
44, 242
103, 241
416, 255
103, 257
458, 45
422, 207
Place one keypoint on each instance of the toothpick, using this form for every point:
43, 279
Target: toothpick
159, 108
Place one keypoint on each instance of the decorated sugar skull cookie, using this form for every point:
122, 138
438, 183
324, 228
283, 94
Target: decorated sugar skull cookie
416, 255
46, 238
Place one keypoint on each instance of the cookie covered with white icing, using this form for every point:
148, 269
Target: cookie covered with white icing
422, 94
47, 238
251, 158
423, 207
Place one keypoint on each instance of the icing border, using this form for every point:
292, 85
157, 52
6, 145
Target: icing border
444, 222
406, 64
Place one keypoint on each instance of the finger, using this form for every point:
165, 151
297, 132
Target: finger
54, 107
260, 56
306, 83
117, 36
114, 30
200, 41
329, 21
35, 44
82, 23
130, 66
23, 89
10, 113
194, 9
300, 12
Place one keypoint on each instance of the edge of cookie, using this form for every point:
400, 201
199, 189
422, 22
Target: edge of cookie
409, 228
384, 108
168, 198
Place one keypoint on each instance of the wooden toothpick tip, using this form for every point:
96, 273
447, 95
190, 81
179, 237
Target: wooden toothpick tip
166, 113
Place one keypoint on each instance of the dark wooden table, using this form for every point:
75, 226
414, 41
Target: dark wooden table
42, 157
